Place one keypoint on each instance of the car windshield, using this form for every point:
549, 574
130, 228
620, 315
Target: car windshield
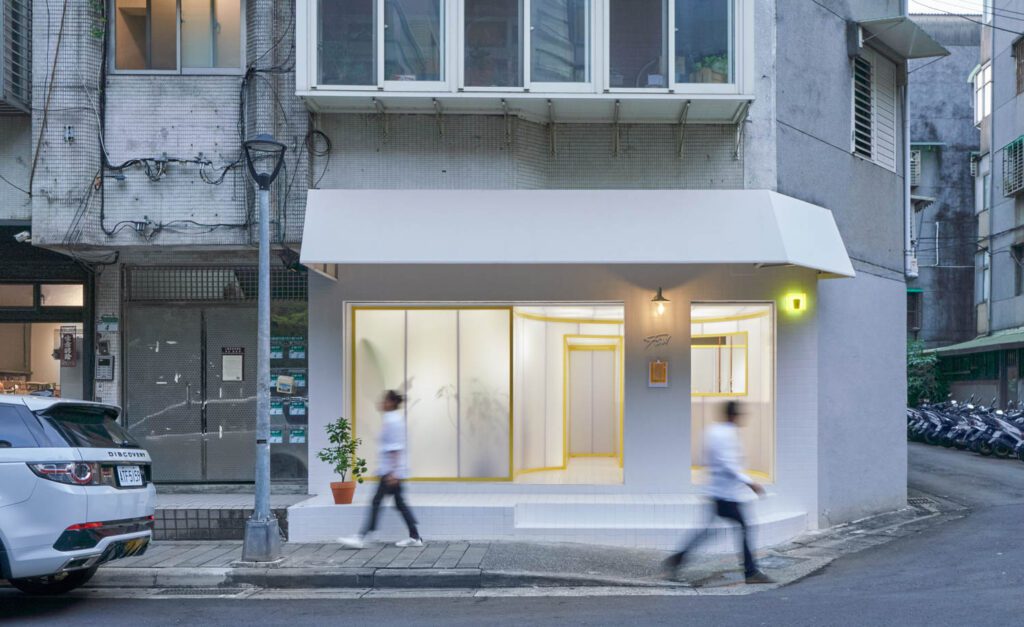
87, 426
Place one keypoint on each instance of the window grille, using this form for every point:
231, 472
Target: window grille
1018, 55
1013, 167
862, 107
915, 167
914, 311
15, 56
209, 284
975, 160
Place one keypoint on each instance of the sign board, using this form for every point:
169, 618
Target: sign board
276, 351
276, 407
297, 351
108, 324
297, 408
297, 436
68, 354
232, 363
657, 374
284, 384
276, 436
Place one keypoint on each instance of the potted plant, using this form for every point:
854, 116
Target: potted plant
713, 68
341, 454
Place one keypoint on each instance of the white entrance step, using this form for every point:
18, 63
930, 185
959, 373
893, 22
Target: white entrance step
648, 521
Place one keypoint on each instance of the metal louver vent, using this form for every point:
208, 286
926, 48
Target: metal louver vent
208, 283
1013, 167
863, 107
915, 167
15, 56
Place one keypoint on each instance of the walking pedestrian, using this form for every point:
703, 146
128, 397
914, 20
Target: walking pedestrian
392, 471
723, 456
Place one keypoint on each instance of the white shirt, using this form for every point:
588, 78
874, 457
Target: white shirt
723, 456
392, 445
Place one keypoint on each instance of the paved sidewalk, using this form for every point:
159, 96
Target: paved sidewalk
473, 565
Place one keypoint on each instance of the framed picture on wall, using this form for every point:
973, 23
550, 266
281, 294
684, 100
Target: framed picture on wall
657, 374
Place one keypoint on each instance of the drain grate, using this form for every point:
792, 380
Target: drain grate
200, 592
924, 503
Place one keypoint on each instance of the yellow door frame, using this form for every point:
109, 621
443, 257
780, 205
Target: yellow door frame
568, 347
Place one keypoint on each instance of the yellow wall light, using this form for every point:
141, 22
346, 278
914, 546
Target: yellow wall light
795, 303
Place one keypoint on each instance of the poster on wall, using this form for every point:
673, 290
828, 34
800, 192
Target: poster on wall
232, 363
657, 374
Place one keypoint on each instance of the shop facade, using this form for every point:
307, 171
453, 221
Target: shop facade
532, 380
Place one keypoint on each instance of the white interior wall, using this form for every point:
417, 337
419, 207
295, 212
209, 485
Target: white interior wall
45, 369
757, 432
432, 375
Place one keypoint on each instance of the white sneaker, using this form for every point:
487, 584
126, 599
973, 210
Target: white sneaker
352, 542
409, 542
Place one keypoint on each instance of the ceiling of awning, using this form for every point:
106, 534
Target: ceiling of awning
347, 226
903, 36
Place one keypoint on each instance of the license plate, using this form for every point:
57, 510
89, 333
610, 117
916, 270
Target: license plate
129, 476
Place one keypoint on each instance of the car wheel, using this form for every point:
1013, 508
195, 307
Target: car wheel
53, 584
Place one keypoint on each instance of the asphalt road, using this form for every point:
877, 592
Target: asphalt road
965, 572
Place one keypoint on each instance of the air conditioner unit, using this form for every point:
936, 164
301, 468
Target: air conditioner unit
915, 168
15, 56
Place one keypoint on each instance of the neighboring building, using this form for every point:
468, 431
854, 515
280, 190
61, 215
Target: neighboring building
987, 366
487, 202
944, 153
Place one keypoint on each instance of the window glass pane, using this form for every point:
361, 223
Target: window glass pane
211, 33
88, 427
147, 34
348, 42
61, 295
494, 51
413, 40
163, 23
704, 41
13, 432
560, 41
732, 355
16, 296
637, 43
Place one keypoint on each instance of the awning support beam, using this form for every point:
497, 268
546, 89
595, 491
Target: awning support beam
552, 138
741, 124
616, 138
438, 113
681, 142
382, 115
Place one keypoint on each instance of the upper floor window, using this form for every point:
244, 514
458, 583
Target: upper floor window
524, 45
188, 36
874, 108
983, 93
1018, 57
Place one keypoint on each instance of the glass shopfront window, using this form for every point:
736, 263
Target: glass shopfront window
732, 358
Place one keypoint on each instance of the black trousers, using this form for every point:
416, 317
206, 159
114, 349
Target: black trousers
730, 510
394, 489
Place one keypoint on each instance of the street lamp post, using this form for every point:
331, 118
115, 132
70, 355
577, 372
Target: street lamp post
264, 158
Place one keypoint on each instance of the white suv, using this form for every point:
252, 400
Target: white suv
75, 492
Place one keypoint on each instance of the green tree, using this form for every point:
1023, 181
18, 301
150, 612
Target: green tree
924, 382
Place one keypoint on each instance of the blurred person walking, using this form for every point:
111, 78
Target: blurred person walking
392, 471
723, 456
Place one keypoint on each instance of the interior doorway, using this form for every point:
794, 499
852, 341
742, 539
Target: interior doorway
591, 399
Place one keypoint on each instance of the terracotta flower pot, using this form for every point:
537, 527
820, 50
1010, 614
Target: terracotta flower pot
343, 491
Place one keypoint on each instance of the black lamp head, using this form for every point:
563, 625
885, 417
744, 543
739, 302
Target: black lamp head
264, 157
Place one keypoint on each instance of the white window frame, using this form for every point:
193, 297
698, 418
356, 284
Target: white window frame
180, 71
307, 62
448, 22
670, 53
984, 170
878, 156
982, 93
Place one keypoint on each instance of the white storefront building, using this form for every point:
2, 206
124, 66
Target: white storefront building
569, 257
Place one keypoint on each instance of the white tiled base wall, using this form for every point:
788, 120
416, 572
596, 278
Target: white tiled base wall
638, 521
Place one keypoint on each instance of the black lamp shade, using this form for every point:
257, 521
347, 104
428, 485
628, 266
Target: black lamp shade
264, 158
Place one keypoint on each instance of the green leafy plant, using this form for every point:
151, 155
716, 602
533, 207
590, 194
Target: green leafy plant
924, 382
717, 63
341, 454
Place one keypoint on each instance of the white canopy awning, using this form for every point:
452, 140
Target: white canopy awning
348, 226
903, 36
